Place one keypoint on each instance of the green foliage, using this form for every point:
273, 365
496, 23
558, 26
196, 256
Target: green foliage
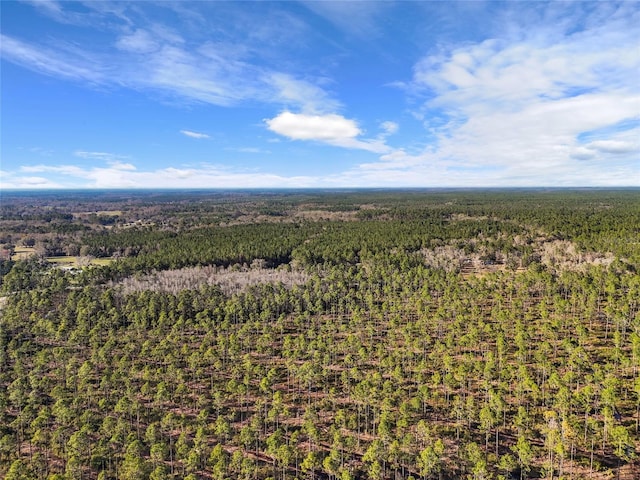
453, 335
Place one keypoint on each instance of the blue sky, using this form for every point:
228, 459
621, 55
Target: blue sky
319, 94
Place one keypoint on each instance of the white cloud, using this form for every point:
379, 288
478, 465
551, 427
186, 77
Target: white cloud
249, 150
614, 146
36, 182
625, 145
394, 169
536, 131
105, 156
70, 170
292, 91
329, 128
27, 182
76, 171
550, 103
388, 128
179, 173
122, 166
400, 169
191, 134
139, 41
299, 126
582, 153
129, 176
515, 110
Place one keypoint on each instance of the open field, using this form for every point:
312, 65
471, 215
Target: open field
75, 261
22, 253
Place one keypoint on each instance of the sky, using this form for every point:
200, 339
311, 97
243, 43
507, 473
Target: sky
212, 94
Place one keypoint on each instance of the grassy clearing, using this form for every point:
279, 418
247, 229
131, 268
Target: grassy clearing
63, 260
22, 253
101, 261
75, 261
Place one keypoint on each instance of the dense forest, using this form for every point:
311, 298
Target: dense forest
425, 334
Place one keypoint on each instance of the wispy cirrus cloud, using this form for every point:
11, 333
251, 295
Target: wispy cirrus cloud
55, 10
89, 13
54, 62
148, 56
354, 18
248, 150
105, 156
191, 134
